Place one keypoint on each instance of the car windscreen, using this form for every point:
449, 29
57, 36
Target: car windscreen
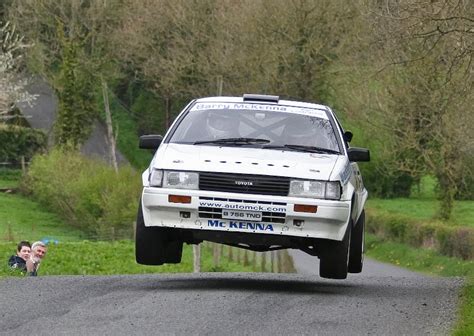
270, 126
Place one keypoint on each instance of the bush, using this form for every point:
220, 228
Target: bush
86, 193
20, 141
452, 241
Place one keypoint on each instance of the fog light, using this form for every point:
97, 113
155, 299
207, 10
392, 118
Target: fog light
298, 223
179, 199
305, 208
184, 214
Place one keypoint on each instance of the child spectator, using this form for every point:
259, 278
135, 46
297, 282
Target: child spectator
18, 261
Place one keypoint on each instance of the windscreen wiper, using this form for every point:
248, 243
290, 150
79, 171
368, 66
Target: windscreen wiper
234, 141
302, 148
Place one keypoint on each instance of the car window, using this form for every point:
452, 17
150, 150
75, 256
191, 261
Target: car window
279, 128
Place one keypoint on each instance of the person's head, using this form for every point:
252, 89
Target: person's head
221, 126
38, 249
23, 250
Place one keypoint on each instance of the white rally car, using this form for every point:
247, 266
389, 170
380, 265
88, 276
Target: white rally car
254, 172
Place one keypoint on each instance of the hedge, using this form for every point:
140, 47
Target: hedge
452, 241
17, 142
86, 193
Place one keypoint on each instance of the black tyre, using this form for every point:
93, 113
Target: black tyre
174, 252
335, 256
153, 245
356, 254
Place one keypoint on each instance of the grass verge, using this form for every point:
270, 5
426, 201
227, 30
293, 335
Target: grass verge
425, 209
9, 178
24, 219
430, 262
107, 258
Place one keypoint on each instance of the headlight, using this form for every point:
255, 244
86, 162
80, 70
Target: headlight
315, 189
156, 178
333, 190
180, 180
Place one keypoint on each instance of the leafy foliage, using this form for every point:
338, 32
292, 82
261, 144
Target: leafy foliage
20, 142
401, 72
12, 86
77, 109
87, 194
456, 241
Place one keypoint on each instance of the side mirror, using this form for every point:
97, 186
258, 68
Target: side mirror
348, 136
358, 154
151, 141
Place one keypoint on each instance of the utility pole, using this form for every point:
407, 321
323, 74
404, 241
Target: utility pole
110, 130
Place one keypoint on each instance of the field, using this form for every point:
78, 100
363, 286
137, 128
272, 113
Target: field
425, 209
24, 219
69, 254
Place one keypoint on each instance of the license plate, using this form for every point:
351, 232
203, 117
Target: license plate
242, 215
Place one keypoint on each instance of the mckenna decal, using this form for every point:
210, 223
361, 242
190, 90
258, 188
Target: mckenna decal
239, 225
313, 112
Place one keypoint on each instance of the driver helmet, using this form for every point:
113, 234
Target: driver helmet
221, 126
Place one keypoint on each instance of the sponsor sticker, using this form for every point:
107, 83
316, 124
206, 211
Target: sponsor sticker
262, 227
242, 206
260, 107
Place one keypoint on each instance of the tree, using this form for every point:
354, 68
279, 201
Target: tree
169, 43
184, 49
300, 41
427, 88
12, 85
77, 109
71, 51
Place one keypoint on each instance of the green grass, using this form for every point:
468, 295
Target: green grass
423, 205
425, 209
24, 219
426, 189
106, 258
8, 184
430, 262
465, 326
9, 178
421, 260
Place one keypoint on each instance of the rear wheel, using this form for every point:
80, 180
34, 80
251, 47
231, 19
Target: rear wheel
356, 255
335, 256
155, 245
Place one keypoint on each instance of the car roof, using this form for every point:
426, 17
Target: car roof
224, 99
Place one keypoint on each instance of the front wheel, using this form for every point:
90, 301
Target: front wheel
356, 255
333, 263
155, 245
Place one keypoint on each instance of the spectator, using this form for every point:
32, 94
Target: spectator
38, 252
18, 261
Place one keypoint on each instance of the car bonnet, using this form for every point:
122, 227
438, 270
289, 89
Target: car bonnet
245, 160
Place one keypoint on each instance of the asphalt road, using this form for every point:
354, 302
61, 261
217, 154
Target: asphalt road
385, 303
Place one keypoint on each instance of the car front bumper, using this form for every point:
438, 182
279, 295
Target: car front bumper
204, 212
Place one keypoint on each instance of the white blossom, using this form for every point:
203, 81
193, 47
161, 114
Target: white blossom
12, 84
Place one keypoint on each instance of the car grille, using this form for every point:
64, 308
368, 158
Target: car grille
267, 217
244, 184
